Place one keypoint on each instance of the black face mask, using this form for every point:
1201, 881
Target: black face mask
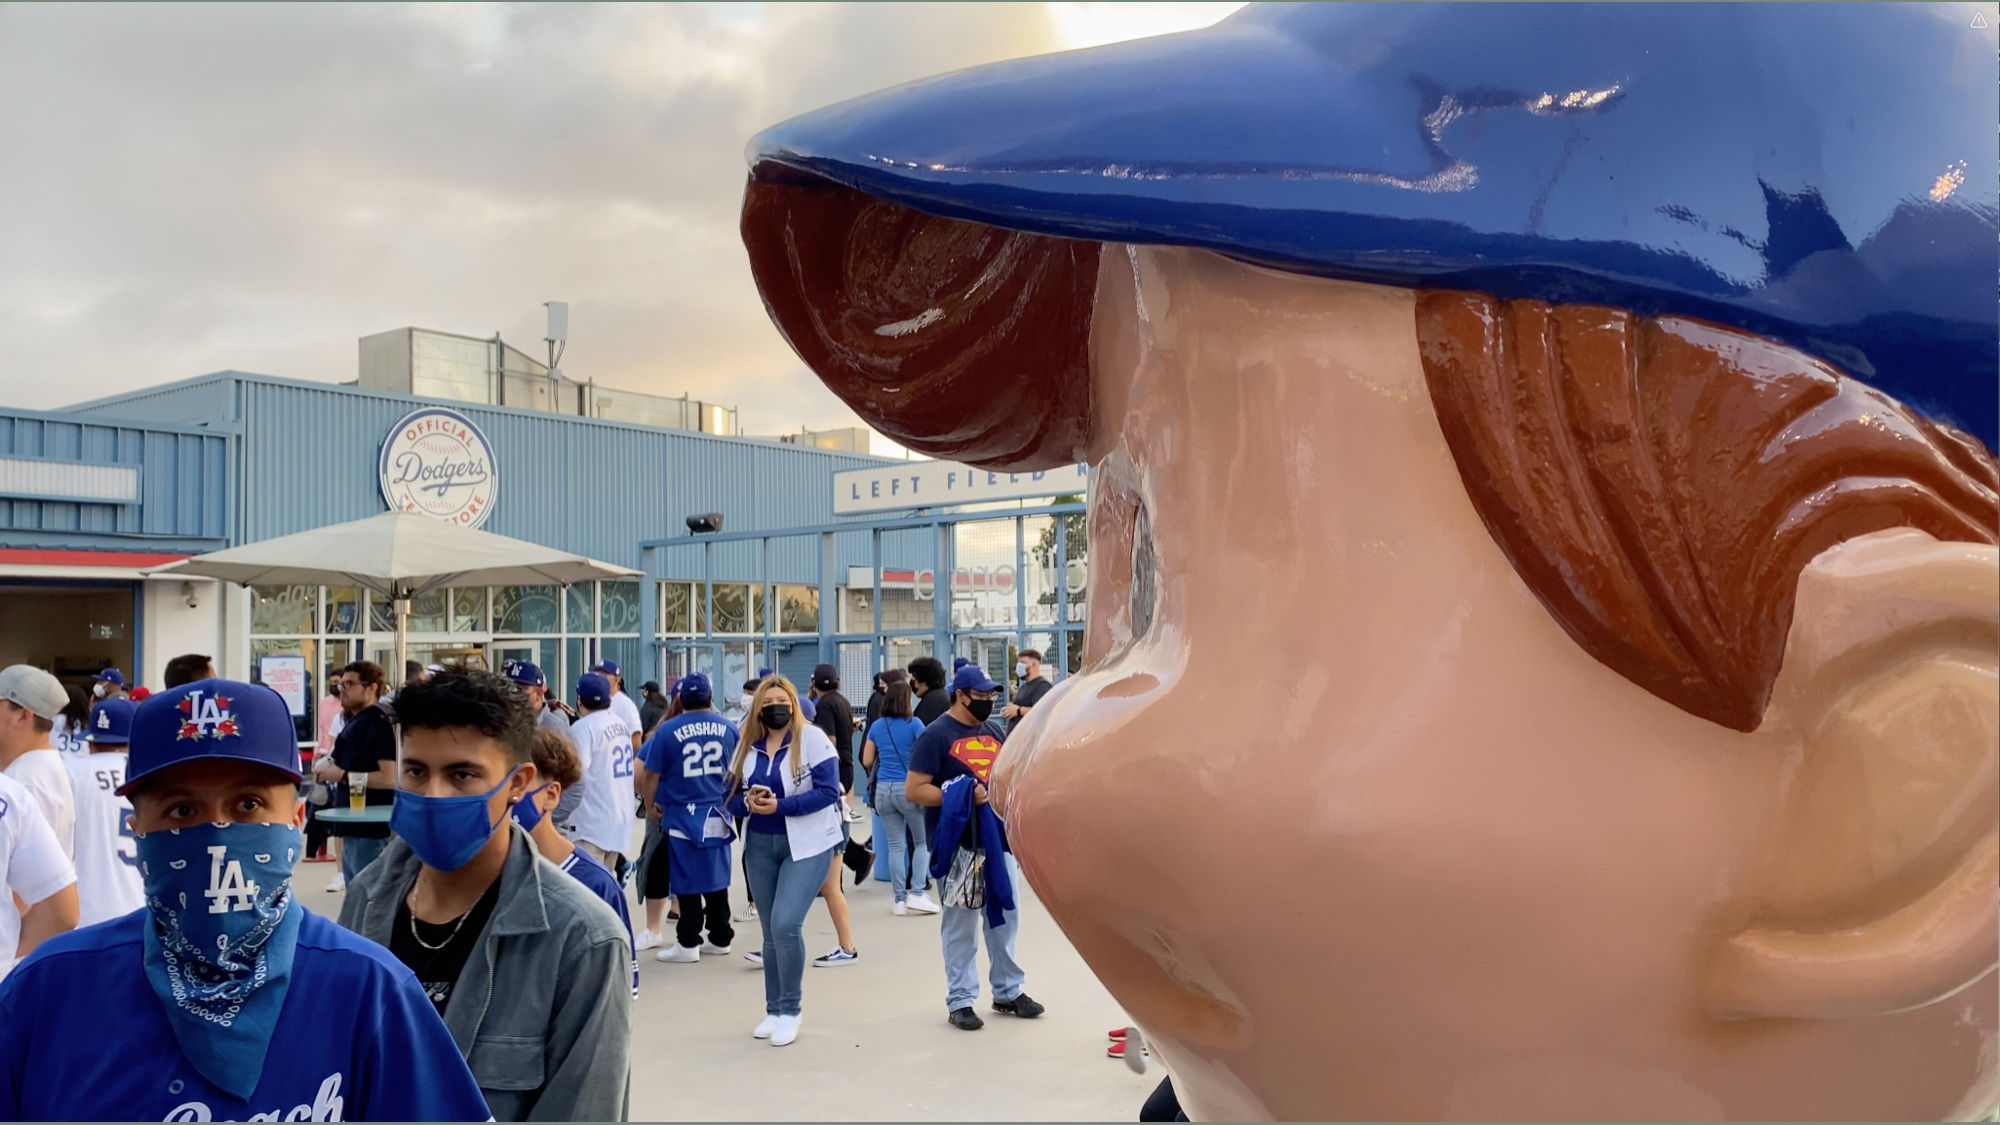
775, 716
980, 708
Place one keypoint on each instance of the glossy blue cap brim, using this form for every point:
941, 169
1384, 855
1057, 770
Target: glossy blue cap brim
1819, 174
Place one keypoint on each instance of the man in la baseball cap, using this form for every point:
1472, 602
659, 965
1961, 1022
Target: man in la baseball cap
108, 683
535, 686
621, 704
233, 1000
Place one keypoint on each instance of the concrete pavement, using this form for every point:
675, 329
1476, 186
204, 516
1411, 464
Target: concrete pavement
874, 1045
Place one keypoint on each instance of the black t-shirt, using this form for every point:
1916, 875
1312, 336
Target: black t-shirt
438, 969
948, 748
366, 744
934, 703
1029, 694
833, 714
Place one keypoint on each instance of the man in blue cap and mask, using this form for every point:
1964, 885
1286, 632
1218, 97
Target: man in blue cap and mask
531, 971
1592, 408
224, 998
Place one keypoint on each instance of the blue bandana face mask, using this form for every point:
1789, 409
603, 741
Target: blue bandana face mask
527, 813
219, 950
446, 832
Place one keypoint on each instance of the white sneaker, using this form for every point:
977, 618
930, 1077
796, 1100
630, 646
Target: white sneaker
754, 957
678, 954
786, 1031
854, 816
921, 905
748, 913
899, 909
711, 949
648, 940
837, 958
770, 1025
338, 885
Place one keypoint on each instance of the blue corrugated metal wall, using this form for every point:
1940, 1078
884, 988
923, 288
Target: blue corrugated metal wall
184, 497
308, 454
596, 488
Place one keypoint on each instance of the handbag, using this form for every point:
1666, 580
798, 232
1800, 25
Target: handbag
965, 882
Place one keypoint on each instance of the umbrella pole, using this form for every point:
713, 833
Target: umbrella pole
402, 635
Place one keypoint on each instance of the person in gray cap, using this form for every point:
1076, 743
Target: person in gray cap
30, 700
535, 685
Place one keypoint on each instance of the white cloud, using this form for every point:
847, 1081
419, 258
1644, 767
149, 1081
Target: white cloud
198, 187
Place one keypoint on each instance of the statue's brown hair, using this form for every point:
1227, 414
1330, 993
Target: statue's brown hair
1659, 483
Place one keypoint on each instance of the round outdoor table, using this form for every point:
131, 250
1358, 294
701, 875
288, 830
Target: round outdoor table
373, 814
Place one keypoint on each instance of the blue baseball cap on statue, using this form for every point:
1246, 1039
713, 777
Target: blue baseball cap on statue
593, 691
694, 686
1820, 174
211, 719
111, 722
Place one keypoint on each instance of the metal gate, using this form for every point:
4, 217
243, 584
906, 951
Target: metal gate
869, 594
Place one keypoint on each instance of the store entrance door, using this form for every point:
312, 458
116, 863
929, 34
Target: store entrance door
73, 629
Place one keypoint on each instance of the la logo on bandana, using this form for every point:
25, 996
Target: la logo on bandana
977, 754
226, 881
206, 717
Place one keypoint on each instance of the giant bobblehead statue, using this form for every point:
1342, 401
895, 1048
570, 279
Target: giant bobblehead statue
1584, 417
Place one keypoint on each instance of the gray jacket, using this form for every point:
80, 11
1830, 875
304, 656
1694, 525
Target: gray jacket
543, 1011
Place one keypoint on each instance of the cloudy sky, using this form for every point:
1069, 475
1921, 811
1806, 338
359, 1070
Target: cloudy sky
193, 188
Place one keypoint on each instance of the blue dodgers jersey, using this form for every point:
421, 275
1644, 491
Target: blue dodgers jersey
590, 873
83, 1038
691, 754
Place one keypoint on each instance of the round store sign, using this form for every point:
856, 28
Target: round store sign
437, 462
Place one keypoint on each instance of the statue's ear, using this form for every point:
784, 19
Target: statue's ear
1878, 895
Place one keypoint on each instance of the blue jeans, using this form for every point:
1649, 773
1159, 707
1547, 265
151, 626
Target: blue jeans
909, 861
961, 952
784, 889
357, 852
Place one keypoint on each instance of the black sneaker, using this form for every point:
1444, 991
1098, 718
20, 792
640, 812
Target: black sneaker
965, 1019
1023, 1006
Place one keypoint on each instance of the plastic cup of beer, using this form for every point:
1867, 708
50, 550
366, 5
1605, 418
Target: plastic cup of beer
357, 790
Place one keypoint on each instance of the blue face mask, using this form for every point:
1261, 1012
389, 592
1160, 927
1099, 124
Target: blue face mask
527, 813
219, 950
445, 832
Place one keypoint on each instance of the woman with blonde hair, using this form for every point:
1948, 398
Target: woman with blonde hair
785, 777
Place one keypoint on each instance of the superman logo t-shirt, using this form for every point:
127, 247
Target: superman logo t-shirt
948, 748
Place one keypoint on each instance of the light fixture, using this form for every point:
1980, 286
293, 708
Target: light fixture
704, 523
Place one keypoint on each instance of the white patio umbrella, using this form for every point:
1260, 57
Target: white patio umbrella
397, 555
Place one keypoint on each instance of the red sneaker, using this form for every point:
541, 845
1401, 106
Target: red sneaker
1117, 1050
1118, 1033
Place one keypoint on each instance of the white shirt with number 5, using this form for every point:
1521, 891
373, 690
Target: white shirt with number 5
107, 857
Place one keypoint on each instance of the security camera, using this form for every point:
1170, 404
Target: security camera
187, 592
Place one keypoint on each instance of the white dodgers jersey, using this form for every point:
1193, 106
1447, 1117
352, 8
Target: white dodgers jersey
107, 857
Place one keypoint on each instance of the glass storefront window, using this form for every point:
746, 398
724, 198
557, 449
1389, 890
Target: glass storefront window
758, 596
676, 614
578, 610
283, 609
308, 686
468, 610
343, 610
732, 611
698, 605
381, 614
427, 613
525, 609
618, 608
798, 609
576, 661
624, 651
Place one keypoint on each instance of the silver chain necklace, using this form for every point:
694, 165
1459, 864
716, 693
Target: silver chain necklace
448, 938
